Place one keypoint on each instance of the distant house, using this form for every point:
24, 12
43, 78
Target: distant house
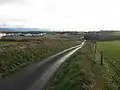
2, 34
37, 34
28, 34
10, 34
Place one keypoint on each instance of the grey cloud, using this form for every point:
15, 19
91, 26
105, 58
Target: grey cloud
10, 1
7, 1
7, 19
12, 22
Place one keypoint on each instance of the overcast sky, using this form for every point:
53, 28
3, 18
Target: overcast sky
65, 14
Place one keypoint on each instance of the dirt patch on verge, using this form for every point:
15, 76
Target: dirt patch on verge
87, 60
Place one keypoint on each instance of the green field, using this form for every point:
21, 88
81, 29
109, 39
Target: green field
111, 68
111, 49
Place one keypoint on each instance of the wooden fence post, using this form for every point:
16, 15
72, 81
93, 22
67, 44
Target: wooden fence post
95, 47
101, 57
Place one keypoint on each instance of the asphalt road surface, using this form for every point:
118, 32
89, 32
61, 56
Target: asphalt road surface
37, 76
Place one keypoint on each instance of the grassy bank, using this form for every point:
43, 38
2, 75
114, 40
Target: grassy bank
15, 56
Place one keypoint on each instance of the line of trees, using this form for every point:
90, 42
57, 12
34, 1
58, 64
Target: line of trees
103, 37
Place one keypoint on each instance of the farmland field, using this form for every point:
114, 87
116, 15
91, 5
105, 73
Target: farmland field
111, 54
20, 38
111, 49
7, 42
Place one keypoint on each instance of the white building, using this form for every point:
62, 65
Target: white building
2, 34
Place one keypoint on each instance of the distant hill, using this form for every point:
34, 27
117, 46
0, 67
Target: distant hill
22, 29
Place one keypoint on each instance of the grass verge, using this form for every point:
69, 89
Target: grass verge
78, 72
70, 76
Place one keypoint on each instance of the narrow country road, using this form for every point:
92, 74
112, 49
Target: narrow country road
36, 77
